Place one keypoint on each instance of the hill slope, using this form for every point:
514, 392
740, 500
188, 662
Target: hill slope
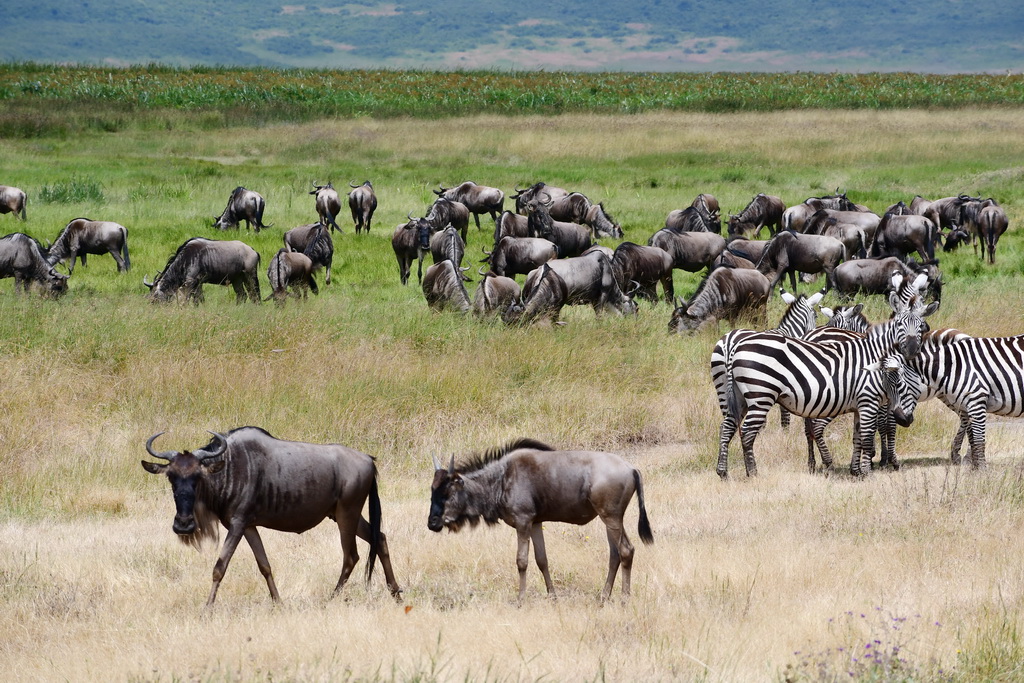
915, 35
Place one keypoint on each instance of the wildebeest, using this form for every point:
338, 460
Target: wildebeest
362, 202
874, 276
444, 288
690, 251
315, 241
898, 235
290, 270
724, 293
644, 266
794, 217
691, 219
477, 198
576, 207
83, 236
411, 240
763, 211
446, 244
519, 255
851, 235
792, 252
12, 200
243, 205
328, 205
591, 282
944, 212
444, 212
200, 261
24, 259
521, 197
511, 225
571, 239
248, 479
752, 250
956, 236
494, 294
986, 221
544, 296
527, 483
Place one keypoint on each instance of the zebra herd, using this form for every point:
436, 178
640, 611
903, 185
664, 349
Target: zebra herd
878, 372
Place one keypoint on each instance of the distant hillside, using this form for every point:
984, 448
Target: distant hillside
938, 36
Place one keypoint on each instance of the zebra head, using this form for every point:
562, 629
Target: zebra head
908, 325
901, 384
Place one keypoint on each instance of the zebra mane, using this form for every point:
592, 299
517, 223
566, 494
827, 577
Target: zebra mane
479, 461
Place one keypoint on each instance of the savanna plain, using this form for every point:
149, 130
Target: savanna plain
907, 575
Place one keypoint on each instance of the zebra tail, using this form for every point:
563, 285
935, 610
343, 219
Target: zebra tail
732, 397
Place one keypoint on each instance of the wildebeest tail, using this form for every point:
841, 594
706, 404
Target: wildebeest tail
375, 520
644, 525
24, 203
124, 249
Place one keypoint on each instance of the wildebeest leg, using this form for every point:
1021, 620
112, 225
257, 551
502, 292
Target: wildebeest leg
347, 528
419, 268
752, 425
523, 555
667, 288
725, 434
81, 256
238, 284
540, 554
385, 557
252, 535
117, 258
476, 217
620, 551
327, 267
220, 568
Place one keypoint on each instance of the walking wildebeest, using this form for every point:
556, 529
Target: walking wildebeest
248, 479
200, 261
898, 235
646, 267
12, 200
411, 240
362, 202
242, 205
521, 197
527, 483
444, 212
792, 252
83, 236
315, 241
591, 282
763, 211
444, 288
519, 255
690, 251
724, 293
691, 219
477, 198
544, 296
290, 270
328, 205
494, 294
24, 259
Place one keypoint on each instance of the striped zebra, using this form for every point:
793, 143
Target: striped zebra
821, 380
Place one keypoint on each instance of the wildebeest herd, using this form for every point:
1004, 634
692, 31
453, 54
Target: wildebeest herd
247, 479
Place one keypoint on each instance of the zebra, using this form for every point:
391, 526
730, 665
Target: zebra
821, 380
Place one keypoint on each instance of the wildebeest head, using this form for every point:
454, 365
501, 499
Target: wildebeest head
448, 499
955, 238
186, 471
317, 188
681, 320
55, 284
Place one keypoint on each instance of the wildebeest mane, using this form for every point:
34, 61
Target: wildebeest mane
64, 232
769, 256
41, 251
479, 461
173, 273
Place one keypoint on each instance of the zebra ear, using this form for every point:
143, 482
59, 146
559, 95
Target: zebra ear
815, 298
787, 297
827, 312
856, 309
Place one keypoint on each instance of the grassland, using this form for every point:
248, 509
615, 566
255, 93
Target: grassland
748, 580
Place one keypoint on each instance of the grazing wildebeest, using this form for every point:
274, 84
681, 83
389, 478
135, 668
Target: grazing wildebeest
477, 198
591, 282
645, 267
763, 211
521, 197
898, 235
444, 212
575, 207
874, 276
527, 483
690, 251
511, 225
986, 221
851, 235
956, 236
519, 255
544, 295
200, 261
494, 294
571, 239
444, 288
447, 244
751, 250
731, 260
248, 479
24, 259
12, 200
724, 293
315, 241
83, 236
290, 269
362, 202
411, 240
792, 252
328, 205
691, 219
243, 205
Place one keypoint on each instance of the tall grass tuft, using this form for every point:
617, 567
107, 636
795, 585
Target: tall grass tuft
72, 191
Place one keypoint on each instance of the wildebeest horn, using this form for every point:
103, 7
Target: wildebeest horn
480, 272
451, 466
409, 216
165, 455
150, 285
437, 463
351, 184
203, 455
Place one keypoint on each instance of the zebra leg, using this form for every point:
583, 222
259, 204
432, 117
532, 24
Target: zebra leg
752, 425
864, 439
885, 424
978, 419
958, 438
783, 418
818, 434
725, 434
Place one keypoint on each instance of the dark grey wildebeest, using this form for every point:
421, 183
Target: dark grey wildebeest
328, 205
571, 239
83, 236
591, 282
511, 225
444, 287
12, 200
243, 205
751, 250
527, 483
411, 241
544, 296
444, 212
315, 241
691, 219
763, 211
576, 207
521, 197
519, 255
644, 267
851, 235
727, 293
24, 259
362, 202
986, 221
900, 234
446, 244
944, 212
248, 479
290, 270
200, 261
477, 198
792, 252
874, 276
794, 217
690, 251
494, 294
